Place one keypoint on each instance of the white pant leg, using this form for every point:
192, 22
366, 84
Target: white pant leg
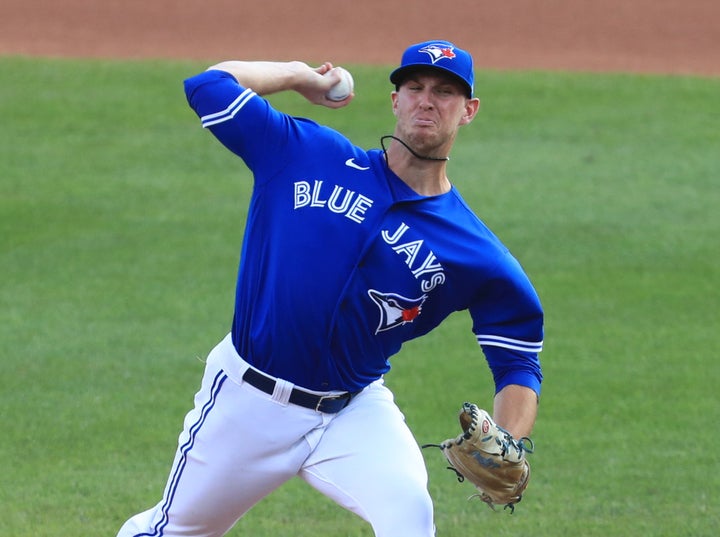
236, 447
369, 462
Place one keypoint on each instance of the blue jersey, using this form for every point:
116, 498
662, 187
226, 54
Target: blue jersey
342, 262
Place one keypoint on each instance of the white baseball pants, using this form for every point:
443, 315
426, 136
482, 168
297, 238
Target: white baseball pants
239, 444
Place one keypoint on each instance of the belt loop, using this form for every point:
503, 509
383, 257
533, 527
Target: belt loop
282, 391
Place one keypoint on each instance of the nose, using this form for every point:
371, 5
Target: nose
426, 101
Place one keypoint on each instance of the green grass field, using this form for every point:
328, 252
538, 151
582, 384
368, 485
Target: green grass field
120, 225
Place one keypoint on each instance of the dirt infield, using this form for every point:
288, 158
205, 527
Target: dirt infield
653, 36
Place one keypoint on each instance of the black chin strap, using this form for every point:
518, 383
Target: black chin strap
414, 154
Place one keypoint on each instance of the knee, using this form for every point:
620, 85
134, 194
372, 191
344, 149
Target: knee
406, 511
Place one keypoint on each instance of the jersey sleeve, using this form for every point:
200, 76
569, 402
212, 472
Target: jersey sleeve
241, 120
508, 323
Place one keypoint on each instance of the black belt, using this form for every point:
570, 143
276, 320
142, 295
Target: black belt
331, 404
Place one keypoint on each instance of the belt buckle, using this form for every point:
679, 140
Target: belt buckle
323, 398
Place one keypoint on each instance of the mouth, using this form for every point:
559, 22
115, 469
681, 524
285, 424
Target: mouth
424, 122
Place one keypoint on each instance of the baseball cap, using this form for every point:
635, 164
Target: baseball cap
441, 55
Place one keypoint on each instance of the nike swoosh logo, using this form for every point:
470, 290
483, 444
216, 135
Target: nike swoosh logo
350, 163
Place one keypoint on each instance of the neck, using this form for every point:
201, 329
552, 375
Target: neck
426, 176
411, 150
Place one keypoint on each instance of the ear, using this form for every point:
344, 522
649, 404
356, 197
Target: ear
394, 98
472, 106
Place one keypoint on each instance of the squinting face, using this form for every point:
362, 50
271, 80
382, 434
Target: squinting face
430, 108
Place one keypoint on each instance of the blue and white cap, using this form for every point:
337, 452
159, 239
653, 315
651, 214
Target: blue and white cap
437, 55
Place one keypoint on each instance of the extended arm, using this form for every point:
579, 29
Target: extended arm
266, 78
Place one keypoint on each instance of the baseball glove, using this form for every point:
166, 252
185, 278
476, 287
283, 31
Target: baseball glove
489, 457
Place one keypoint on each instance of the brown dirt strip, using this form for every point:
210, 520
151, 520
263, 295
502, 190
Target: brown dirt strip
651, 36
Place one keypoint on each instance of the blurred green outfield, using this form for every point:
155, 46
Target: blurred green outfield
120, 225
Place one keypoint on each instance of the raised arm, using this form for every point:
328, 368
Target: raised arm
266, 78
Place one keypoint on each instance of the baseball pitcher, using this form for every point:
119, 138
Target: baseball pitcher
347, 254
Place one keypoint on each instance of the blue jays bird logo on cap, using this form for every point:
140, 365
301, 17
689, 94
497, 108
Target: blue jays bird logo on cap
395, 310
438, 52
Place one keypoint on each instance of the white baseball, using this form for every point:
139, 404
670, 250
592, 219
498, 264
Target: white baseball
343, 89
